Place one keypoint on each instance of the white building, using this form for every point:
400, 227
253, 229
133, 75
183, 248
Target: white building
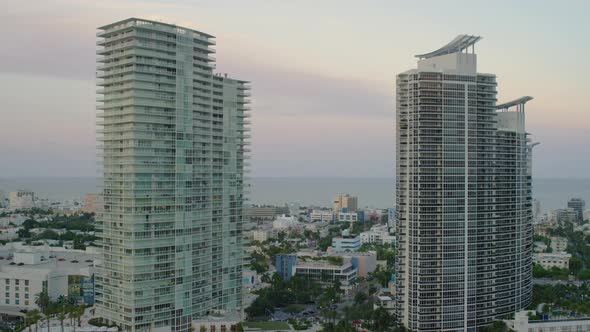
321, 216
21, 199
323, 270
378, 234
554, 259
521, 323
24, 273
346, 243
347, 217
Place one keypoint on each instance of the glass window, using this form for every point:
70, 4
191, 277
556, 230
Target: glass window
26, 282
16, 282
16, 301
7, 301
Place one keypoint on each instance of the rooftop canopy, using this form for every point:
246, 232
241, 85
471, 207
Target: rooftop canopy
515, 102
460, 43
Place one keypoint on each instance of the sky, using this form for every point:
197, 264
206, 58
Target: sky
322, 72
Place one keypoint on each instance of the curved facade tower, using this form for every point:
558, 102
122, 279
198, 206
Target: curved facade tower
463, 195
174, 138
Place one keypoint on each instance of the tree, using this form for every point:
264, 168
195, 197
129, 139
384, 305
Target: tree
32, 317
43, 301
576, 265
61, 315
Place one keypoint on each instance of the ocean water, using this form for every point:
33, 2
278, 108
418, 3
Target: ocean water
372, 192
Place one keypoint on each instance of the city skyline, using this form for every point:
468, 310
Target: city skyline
324, 81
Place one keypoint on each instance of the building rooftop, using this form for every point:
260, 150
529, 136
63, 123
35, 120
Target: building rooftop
460, 43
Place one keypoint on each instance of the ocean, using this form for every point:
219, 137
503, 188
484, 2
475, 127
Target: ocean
372, 192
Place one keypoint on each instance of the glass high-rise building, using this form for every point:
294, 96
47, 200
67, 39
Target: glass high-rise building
173, 147
463, 195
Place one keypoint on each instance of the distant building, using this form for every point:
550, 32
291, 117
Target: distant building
264, 212
262, 235
346, 243
326, 271
321, 215
522, 323
391, 218
536, 209
377, 234
21, 199
578, 205
345, 203
284, 265
558, 244
364, 262
347, 217
90, 203
554, 259
564, 216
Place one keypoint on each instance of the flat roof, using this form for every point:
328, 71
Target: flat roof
131, 19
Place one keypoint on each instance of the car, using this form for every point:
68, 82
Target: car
89, 261
1, 257
61, 259
12, 263
75, 261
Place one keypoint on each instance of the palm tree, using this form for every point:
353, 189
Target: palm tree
43, 301
35, 316
62, 316
75, 313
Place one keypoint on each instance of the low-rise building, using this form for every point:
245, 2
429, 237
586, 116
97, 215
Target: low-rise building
558, 244
522, 323
349, 216
26, 273
321, 216
326, 271
554, 259
346, 243
264, 212
378, 234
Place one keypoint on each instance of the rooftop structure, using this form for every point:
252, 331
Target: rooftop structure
457, 45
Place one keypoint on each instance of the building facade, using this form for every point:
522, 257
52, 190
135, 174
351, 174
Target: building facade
174, 143
345, 203
463, 195
565, 216
578, 205
554, 259
21, 199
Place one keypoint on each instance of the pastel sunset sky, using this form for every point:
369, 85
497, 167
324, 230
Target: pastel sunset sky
322, 73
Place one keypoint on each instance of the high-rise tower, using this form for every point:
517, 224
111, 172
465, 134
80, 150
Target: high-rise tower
463, 195
174, 138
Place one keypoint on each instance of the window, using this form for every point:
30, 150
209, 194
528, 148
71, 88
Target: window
7, 301
26, 282
7, 281
16, 281
7, 288
16, 301
26, 302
